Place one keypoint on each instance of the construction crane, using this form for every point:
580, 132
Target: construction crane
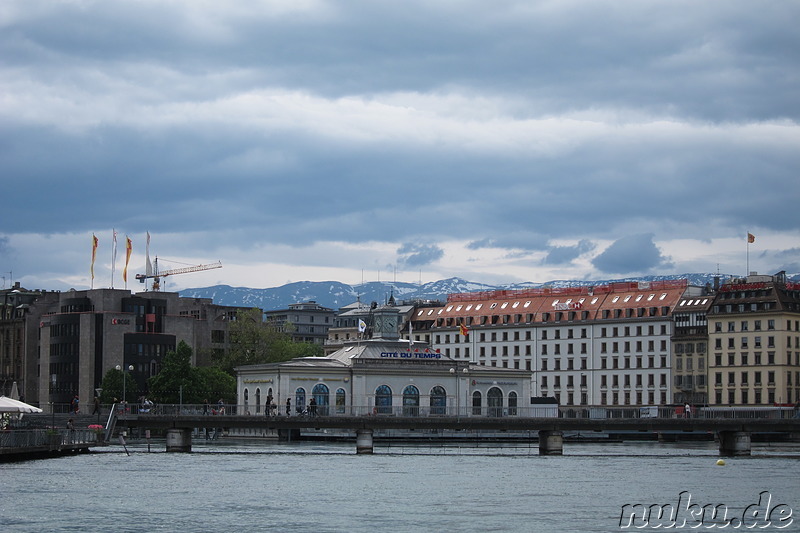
156, 275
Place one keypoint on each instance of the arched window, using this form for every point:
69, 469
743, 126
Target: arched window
258, 401
512, 403
438, 400
341, 397
383, 400
321, 396
476, 403
494, 401
300, 400
411, 401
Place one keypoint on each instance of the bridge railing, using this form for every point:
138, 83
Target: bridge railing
527, 411
30, 438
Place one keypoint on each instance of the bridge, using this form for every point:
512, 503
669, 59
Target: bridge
733, 428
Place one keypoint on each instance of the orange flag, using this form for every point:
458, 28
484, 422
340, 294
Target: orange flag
94, 253
128, 250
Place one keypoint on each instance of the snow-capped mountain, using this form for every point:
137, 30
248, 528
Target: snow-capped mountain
334, 294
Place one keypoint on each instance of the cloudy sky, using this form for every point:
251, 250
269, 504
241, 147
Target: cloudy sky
313, 140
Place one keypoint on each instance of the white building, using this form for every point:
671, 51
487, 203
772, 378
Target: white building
602, 345
385, 376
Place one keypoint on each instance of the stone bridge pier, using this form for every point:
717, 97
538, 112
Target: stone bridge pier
179, 440
733, 443
551, 442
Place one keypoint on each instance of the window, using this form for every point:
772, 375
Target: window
299, 399
383, 400
476, 403
512, 403
321, 396
411, 401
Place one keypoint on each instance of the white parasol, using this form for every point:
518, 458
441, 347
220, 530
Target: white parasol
9, 405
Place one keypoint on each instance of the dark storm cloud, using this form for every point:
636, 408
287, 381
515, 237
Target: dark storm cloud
505, 126
413, 255
634, 253
560, 255
510, 237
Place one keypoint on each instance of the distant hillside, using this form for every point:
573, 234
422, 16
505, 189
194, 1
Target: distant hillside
334, 294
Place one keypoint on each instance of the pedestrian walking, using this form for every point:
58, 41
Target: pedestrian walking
288, 406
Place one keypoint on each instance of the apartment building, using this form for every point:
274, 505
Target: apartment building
304, 322
754, 339
600, 345
690, 348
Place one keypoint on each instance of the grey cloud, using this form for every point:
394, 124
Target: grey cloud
560, 255
521, 240
411, 254
667, 89
631, 254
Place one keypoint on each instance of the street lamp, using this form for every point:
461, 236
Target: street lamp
465, 370
124, 381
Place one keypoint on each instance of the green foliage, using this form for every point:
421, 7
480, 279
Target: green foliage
179, 381
112, 386
253, 341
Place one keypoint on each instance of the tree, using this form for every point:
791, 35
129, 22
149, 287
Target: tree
253, 341
113, 388
180, 382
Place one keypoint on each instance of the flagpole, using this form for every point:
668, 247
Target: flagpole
94, 254
113, 254
749, 239
747, 271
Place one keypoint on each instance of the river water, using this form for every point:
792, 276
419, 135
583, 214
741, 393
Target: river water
325, 487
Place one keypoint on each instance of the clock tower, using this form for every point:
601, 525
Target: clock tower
386, 323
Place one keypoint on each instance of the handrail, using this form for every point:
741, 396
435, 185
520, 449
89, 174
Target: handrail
26, 438
110, 423
526, 411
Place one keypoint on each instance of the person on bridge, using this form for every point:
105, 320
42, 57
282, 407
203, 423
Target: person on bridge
268, 406
312, 407
288, 406
687, 411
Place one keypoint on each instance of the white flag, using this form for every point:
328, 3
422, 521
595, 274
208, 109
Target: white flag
362, 326
148, 269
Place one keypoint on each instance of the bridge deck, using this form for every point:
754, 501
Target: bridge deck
757, 425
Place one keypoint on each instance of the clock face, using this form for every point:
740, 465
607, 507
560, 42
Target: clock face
390, 324
378, 323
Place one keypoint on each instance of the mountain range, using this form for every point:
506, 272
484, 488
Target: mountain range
334, 294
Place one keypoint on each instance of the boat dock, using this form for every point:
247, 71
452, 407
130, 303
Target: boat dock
22, 444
